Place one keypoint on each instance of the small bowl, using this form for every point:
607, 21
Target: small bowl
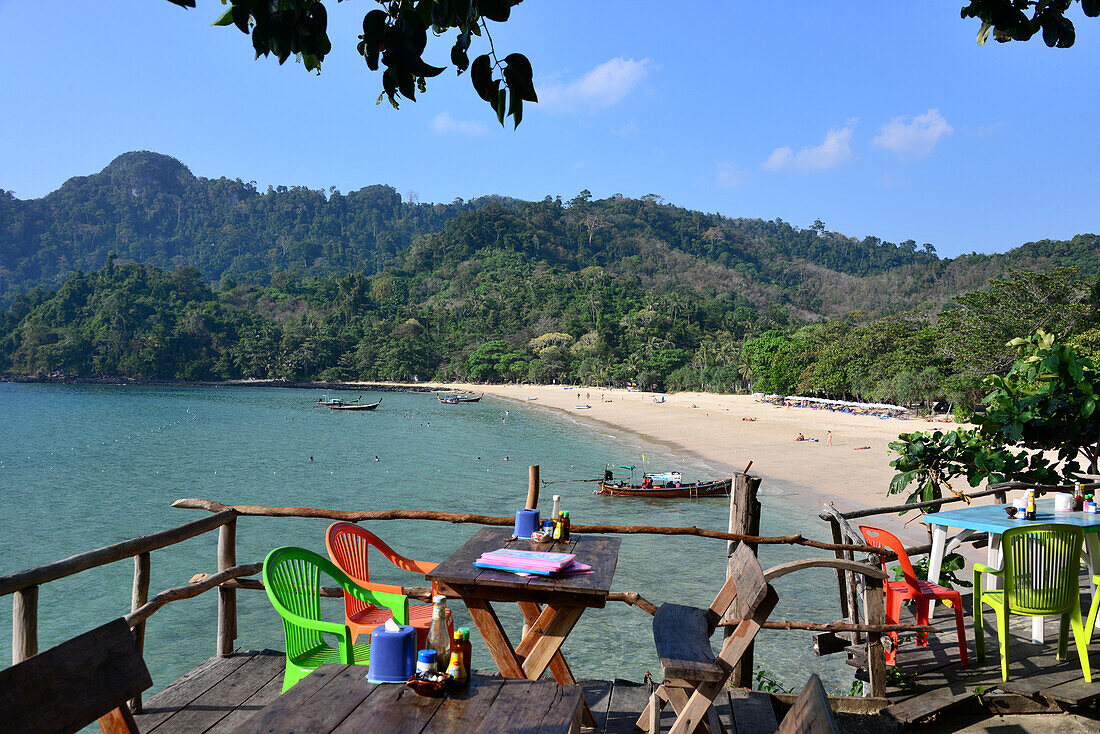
1011, 511
432, 685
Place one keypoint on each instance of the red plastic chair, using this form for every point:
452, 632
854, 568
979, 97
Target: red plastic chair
347, 545
910, 587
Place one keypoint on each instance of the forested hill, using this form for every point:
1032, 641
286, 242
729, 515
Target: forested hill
151, 209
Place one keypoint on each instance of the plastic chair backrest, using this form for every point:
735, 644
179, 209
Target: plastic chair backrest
879, 538
1041, 565
347, 545
292, 577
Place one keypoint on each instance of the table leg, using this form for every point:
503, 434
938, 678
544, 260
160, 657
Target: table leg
495, 638
1092, 549
545, 638
935, 560
993, 559
558, 666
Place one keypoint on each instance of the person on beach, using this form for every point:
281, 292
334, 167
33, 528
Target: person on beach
828, 438
800, 437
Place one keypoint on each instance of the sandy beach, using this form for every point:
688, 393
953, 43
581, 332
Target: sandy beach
729, 431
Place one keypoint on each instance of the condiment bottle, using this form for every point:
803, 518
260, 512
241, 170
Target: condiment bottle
565, 525
557, 508
457, 668
425, 661
1078, 497
438, 639
1029, 513
466, 649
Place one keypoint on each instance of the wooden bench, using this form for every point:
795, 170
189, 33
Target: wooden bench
67, 687
694, 676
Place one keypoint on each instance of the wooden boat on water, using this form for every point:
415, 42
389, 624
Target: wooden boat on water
356, 406
666, 485
456, 398
327, 402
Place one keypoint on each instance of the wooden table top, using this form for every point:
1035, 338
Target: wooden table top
599, 552
338, 698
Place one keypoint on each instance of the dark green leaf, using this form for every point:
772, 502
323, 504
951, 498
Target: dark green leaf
497, 10
515, 109
501, 105
481, 75
226, 18
518, 75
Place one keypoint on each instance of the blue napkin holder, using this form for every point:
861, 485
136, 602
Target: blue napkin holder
527, 522
392, 654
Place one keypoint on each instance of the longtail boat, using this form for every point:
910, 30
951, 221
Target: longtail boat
357, 406
666, 485
456, 398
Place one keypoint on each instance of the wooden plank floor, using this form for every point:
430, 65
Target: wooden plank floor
222, 692
1038, 681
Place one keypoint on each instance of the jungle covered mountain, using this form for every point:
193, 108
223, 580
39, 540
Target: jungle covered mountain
149, 208
147, 271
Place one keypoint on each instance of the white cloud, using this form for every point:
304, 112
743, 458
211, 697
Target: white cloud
443, 123
729, 175
914, 139
603, 86
834, 150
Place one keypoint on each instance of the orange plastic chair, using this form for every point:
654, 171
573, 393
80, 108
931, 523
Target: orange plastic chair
347, 545
910, 587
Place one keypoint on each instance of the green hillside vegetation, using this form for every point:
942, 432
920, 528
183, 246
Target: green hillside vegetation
214, 280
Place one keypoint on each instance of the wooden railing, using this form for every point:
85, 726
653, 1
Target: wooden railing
744, 526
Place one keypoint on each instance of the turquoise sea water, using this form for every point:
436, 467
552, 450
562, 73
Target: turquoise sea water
86, 466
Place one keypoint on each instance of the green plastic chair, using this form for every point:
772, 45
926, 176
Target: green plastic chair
1041, 565
292, 578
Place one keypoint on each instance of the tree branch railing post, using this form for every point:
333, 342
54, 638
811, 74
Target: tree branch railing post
744, 520
875, 612
138, 598
24, 629
227, 596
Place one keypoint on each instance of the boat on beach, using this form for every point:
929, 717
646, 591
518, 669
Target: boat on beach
356, 406
663, 485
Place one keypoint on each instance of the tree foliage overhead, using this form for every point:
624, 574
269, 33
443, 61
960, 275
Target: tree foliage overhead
1020, 20
396, 35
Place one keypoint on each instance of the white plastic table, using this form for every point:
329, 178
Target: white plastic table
994, 520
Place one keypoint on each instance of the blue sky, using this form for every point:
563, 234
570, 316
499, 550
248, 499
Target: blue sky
882, 119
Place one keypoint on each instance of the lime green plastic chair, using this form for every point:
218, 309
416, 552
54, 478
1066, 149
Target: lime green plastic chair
1041, 565
292, 577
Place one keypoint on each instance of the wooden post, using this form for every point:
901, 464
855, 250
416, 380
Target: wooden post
138, 598
841, 577
24, 624
744, 520
227, 597
532, 487
876, 655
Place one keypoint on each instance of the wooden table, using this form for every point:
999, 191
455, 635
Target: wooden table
338, 698
551, 607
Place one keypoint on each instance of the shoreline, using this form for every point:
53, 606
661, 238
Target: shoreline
725, 432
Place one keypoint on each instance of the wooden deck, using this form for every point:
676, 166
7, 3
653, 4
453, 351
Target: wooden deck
222, 692
1038, 682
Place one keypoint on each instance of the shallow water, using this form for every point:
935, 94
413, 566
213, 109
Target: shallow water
85, 466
